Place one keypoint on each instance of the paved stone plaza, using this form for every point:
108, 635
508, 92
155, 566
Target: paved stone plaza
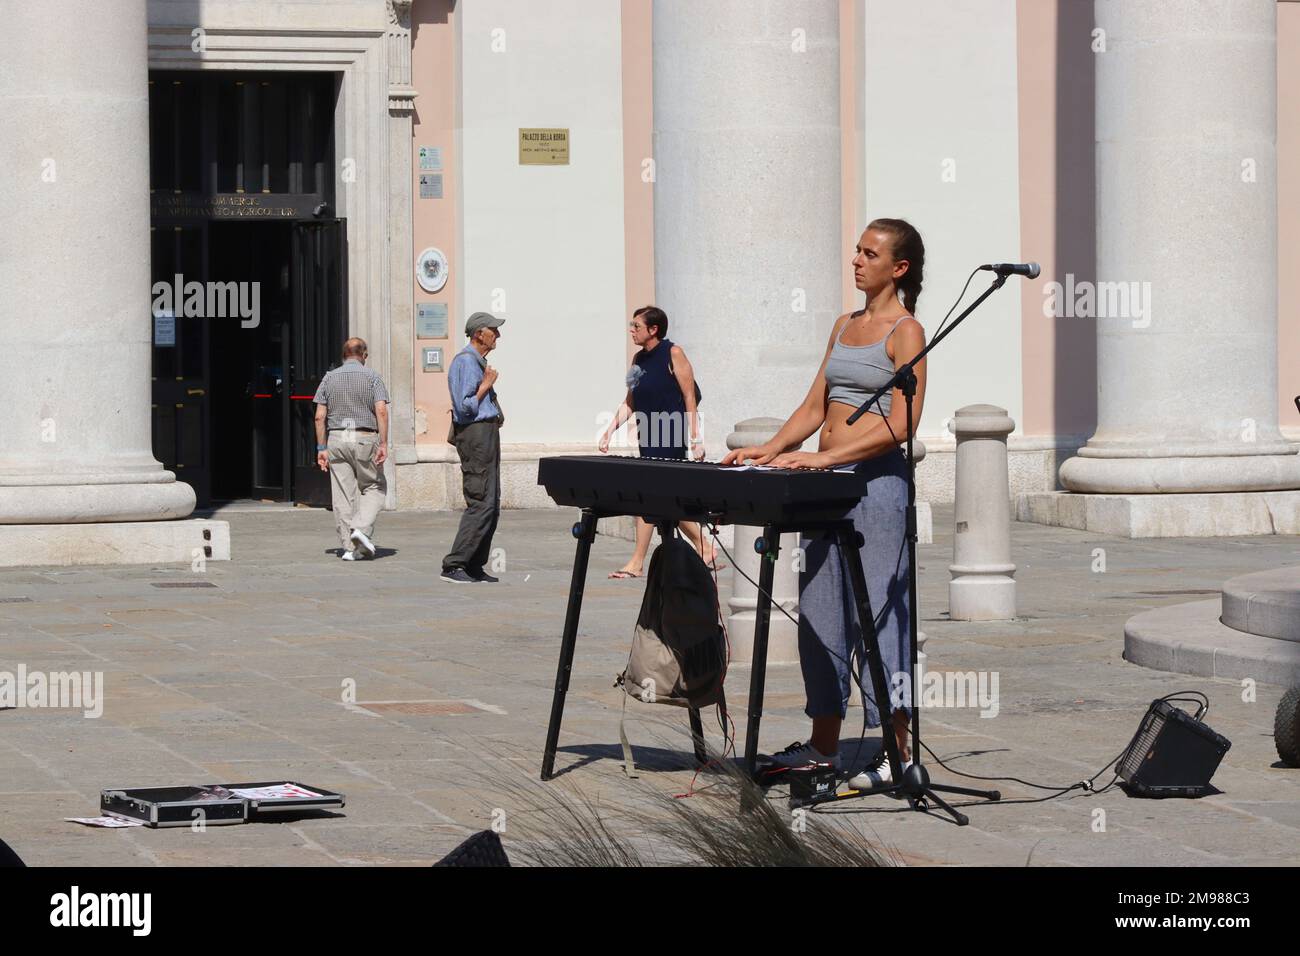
245, 681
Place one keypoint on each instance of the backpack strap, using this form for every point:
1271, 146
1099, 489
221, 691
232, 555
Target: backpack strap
629, 765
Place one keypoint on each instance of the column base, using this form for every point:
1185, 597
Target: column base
118, 542
1168, 515
1091, 472
95, 502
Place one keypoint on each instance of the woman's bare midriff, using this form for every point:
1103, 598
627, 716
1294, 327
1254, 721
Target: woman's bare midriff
835, 432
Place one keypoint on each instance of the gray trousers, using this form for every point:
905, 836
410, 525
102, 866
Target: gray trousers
356, 483
828, 621
479, 446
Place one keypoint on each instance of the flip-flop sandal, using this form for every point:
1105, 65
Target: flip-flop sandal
622, 575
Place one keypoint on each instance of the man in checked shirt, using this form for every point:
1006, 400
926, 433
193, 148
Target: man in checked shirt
352, 406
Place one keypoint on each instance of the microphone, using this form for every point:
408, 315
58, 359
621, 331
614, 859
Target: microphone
1029, 270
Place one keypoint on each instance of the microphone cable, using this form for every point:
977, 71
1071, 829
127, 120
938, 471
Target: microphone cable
1086, 785
957, 303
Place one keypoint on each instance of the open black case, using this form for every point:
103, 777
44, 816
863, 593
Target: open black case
214, 804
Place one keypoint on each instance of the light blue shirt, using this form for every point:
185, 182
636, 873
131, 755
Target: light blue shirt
464, 376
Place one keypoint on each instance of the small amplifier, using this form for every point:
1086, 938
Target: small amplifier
1172, 754
812, 784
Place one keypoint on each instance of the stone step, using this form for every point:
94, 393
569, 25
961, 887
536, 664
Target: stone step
1265, 603
1190, 639
182, 540
1211, 515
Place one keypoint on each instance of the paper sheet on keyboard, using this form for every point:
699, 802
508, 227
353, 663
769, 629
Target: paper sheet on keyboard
770, 468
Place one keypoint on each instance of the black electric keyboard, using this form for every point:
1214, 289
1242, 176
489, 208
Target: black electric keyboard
670, 490
665, 492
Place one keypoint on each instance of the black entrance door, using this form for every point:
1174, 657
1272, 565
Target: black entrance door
319, 270
181, 410
240, 175
247, 360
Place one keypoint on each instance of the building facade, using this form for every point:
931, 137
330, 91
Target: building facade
383, 168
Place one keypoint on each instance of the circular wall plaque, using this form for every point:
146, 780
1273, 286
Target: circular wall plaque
431, 270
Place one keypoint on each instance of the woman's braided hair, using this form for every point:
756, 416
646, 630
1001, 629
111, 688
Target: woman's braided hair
907, 245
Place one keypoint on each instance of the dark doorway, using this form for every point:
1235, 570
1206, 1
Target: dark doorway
318, 326
249, 268
248, 365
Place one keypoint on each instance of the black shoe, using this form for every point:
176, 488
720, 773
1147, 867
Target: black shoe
481, 576
457, 576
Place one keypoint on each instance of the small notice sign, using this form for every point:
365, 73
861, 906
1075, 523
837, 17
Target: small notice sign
543, 147
164, 329
431, 158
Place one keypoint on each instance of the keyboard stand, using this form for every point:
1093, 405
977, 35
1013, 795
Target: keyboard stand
768, 545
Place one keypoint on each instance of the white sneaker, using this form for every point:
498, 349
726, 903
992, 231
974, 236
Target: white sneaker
799, 755
364, 543
351, 555
876, 775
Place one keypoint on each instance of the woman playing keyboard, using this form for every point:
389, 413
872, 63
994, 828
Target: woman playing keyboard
864, 350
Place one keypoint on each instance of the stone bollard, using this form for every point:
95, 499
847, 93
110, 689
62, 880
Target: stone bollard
782, 634
924, 516
982, 586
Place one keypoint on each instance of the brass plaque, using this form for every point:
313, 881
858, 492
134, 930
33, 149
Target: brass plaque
543, 147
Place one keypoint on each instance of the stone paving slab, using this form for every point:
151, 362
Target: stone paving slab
266, 676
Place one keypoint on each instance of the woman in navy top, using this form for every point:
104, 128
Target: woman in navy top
661, 395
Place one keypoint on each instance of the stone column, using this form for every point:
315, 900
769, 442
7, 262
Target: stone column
74, 267
1186, 120
982, 587
748, 258
782, 634
401, 317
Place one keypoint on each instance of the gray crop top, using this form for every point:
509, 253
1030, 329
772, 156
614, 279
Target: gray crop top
854, 372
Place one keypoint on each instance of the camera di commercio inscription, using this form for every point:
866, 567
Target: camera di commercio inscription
230, 206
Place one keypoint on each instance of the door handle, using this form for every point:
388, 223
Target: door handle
195, 391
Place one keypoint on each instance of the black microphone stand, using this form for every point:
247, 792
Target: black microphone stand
915, 784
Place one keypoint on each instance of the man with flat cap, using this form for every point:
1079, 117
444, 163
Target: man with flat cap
475, 431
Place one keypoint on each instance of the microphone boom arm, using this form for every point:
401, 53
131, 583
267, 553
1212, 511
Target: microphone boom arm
906, 375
